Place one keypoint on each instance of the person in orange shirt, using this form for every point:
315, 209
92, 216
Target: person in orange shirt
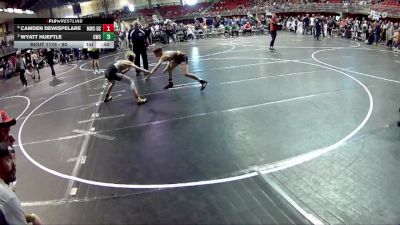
273, 27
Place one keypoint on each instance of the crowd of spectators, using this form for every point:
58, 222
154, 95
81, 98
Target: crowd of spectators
230, 18
371, 31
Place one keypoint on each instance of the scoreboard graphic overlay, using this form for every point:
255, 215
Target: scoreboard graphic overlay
64, 33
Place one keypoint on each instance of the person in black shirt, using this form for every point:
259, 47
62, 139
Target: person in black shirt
21, 67
28, 62
50, 60
4, 65
130, 36
318, 28
139, 46
147, 31
306, 24
85, 53
331, 26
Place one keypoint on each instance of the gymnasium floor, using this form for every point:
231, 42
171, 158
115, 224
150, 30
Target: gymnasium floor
305, 134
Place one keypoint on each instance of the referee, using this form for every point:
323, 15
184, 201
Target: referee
138, 38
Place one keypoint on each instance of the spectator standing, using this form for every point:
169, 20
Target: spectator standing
85, 54
273, 28
3, 46
312, 24
318, 28
389, 36
35, 62
21, 67
130, 36
377, 33
169, 31
306, 24
50, 60
148, 33
4, 65
94, 54
295, 24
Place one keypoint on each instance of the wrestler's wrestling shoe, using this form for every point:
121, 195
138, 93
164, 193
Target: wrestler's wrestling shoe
108, 98
141, 100
170, 85
203, 84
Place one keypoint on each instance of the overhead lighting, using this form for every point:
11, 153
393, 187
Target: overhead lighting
69, 6
1, 10
85, 3
71, 16
10, 10
191, 2
19, 11
131, 7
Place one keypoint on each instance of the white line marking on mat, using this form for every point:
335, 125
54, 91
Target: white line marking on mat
55, 139
85, 143
27, 105
351, 71
273, 167
73, 191
310, 217
102, 118
101, 93
95, 134
43, 81
81, 159
216, 112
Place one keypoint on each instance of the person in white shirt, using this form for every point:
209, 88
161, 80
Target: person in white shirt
312, 24
190, 32
35, 61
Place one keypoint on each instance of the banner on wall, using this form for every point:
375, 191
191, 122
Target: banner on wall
377, 15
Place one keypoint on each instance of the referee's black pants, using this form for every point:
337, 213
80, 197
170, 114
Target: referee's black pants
140, 50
